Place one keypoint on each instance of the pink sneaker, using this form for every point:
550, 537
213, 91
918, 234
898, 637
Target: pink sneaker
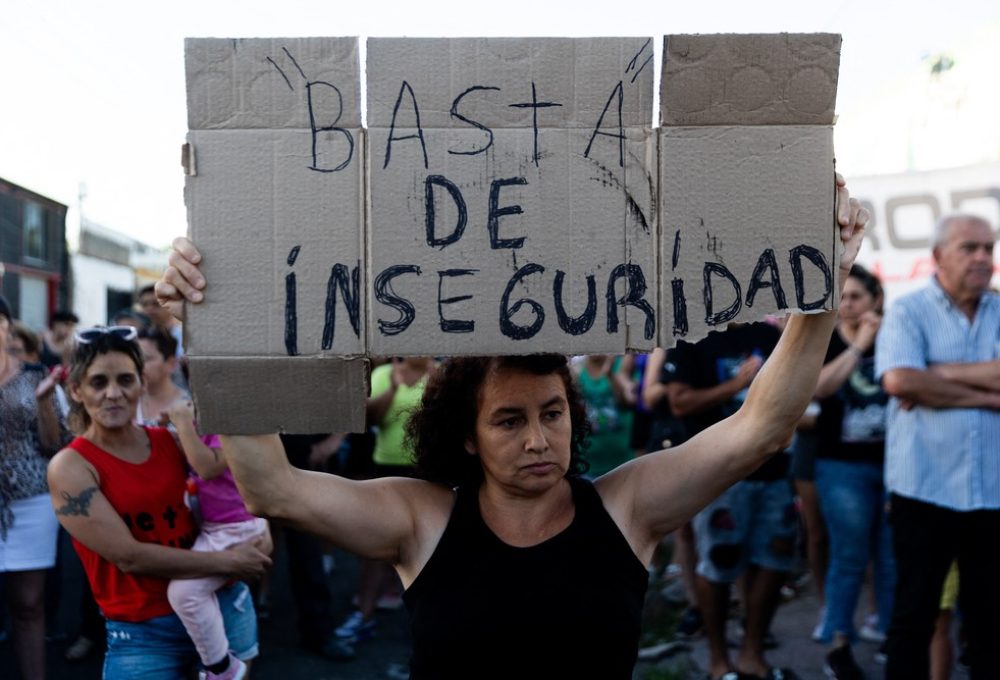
237, 671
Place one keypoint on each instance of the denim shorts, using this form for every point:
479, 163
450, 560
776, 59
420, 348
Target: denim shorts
752, 522
160, 649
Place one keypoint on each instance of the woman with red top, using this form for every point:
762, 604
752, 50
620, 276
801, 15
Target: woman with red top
118, 489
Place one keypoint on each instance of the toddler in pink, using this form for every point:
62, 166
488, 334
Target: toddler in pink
224, 523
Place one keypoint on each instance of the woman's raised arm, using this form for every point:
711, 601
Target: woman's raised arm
392, 519
654, 494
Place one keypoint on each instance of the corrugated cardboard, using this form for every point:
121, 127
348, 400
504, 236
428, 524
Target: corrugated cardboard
510, 197
746, 179
749, 79
521, 130
274, 195
284, 394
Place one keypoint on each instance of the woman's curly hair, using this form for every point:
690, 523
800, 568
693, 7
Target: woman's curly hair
446, 418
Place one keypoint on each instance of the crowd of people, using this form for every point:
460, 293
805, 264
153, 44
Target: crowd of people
860, 446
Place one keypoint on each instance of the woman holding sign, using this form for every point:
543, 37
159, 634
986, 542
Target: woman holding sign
513, 564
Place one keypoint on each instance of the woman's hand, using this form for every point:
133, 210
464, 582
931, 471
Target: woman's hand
181, 411
182, 281
265, 542
868, 326
57, 376
852, 219
247, 560
748, 370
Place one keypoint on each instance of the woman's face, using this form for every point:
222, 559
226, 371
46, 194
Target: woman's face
855, 300
109, 390
155, 368
523, 431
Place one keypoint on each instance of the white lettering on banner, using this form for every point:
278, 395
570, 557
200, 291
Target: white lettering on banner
905, 208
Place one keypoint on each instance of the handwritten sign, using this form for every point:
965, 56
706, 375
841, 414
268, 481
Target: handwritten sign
508, 196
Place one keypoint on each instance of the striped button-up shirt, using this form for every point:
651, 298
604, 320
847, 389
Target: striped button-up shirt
949, 457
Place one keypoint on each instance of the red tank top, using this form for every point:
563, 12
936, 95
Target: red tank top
150, 499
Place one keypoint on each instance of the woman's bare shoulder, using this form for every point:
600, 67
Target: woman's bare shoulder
69, 466
423, 495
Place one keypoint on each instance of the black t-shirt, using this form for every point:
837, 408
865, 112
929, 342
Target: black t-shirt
665, 426
715, 359
851, 423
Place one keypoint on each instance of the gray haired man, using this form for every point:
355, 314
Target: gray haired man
938, 355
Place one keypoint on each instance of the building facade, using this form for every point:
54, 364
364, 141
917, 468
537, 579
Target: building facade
108, 269
34, 262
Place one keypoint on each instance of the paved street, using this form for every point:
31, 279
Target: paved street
792, 627
386, 655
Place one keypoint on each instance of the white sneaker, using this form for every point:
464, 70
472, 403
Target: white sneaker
817, 634
870, 634
356, 628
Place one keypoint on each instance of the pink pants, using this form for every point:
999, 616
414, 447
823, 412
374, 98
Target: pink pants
194, 600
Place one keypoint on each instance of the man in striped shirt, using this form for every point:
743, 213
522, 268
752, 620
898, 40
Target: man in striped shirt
938, 355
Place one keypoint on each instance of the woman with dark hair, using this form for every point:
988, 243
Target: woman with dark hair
441, 449
850, 457
31, 430
514, 564
118, 489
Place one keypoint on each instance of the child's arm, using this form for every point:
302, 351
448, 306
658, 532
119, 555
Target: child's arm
205, 460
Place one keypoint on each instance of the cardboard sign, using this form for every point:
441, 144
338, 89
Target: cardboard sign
746, 158
274, 196
511, 187
517, 200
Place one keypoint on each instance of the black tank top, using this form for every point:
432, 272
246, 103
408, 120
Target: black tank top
570, 607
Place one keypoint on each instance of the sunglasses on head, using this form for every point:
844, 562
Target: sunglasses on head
89, 335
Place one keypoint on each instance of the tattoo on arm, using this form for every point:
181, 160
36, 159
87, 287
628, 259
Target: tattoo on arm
77, 505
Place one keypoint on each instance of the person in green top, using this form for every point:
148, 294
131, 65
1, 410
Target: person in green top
396, 390
606, 393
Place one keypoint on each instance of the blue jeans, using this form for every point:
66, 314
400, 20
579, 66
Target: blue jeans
160, 649
852, 499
